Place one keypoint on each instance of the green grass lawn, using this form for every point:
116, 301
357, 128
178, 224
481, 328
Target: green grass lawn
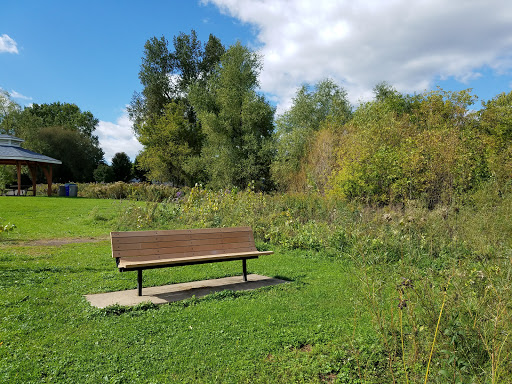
301, 331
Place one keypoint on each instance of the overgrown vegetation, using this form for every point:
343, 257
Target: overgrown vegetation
412, 261
406, 263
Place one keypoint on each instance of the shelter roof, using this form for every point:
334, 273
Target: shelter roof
10, 150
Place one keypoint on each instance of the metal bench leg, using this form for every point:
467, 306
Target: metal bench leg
139, 282
244, 267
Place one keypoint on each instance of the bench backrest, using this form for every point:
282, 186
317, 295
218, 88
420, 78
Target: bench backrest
151, 245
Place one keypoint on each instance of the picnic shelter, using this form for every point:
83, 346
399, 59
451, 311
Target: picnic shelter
11, 153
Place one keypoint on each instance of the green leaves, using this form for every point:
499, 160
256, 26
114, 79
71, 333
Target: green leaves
312, 108
236, 120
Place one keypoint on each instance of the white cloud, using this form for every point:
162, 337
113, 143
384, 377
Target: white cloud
7, 44
408, 43
118, 137
17, 95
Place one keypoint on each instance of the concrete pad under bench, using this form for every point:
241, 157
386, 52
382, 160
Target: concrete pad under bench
175, 292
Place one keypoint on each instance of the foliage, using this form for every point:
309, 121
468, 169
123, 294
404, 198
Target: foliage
6, 227
7, 176
8, 110
432, 152
58, 130
131, 191
122, 167
296, 128
104, 173
163, 119
495, 120
236, 120
168, 145
78, 153
64, 115
137, 170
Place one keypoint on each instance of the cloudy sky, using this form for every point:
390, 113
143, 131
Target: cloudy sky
62, 51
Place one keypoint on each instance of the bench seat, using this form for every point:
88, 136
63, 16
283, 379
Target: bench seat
138, 250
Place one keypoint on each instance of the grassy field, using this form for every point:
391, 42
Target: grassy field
303, 331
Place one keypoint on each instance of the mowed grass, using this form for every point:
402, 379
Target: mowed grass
58, 217
301, 331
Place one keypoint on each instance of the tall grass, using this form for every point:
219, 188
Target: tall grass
406, 256
411, 262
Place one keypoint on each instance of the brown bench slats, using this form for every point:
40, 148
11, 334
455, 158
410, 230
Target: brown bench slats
166, 242
137, 262
226, 248
193, 232
137, 250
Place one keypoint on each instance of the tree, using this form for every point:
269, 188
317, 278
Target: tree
104, 173
432, 152
495, 121
166, 76
297, 127
65, 115
121, 167
8, 110
138, 171
79, 155
236, 120
394, 100
37, 123
168, 146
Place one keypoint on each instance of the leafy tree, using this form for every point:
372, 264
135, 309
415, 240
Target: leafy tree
496, 118
138, 171
79, 155
103, 173
237, 121
495, 121
156, 68
122, 167
166, 76
296, 128
8, 111
65, 115
394, 100
167, 146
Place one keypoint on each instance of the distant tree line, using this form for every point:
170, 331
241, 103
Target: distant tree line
64, 132
201, 119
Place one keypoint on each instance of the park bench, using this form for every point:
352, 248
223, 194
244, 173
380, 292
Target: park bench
139, 250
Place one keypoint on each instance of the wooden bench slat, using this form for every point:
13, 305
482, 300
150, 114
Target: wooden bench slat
225, 237
131, 234
165, 243
121, 248
138, 263
224, 248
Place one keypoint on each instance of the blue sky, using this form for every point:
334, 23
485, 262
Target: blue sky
89, 53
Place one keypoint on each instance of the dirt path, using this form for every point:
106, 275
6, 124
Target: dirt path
57, 242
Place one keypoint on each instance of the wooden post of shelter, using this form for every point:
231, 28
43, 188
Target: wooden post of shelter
48, 175
18, 171
33, 176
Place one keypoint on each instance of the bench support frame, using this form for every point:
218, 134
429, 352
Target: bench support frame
140, 269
